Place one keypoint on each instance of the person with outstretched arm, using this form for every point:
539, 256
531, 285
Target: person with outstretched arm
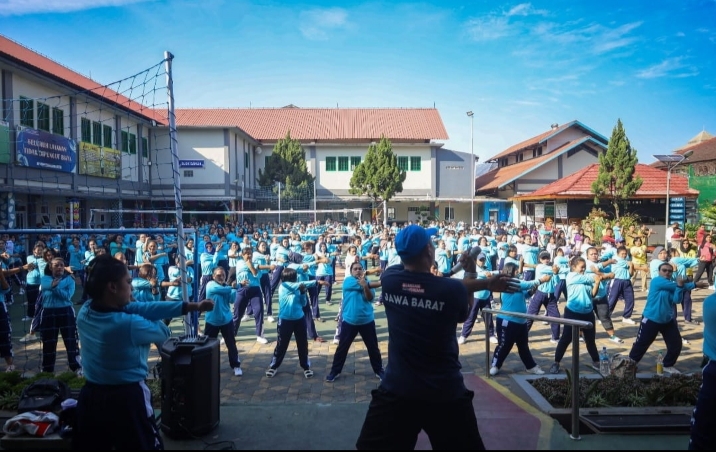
423, 388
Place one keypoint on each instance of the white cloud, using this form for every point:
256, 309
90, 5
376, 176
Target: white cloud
316, 23
497, 25
608, 39
670, 67
22, 7
525, 9
488, 28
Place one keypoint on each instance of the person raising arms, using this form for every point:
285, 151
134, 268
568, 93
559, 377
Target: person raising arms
115, 366
423, 387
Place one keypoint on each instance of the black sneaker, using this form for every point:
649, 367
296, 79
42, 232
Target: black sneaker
554, 369
332, 377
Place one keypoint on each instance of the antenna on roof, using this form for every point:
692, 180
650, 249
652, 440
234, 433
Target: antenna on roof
433, 104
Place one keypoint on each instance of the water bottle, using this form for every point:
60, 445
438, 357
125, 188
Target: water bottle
660, 364
604, 362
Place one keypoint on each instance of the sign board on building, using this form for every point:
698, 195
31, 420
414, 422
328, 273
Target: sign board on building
45, 150
98, 161
539, 211
193, 163
561, 210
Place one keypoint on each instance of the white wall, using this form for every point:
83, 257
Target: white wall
565, 136
581, 159
192, 144
547, 171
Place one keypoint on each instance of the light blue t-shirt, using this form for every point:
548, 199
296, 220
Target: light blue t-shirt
356, 309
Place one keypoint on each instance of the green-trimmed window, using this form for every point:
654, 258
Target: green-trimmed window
125, 141
145, 147
266, 160
355, 161
342, 163
107, 136
97, 133
415, 163
246, 159
27, 112
43, 116
132, 143
86, 130
58, 121
330, 163
403, 163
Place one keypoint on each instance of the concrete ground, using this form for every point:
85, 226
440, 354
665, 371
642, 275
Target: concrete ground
290, 411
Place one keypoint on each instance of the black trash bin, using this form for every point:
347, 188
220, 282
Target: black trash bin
190, 387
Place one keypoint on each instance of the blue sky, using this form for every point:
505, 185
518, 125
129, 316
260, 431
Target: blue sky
520, 66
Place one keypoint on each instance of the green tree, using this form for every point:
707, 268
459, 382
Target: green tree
378, 176
616, 179
287, 165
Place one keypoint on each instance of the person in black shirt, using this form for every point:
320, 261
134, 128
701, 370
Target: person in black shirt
423, 388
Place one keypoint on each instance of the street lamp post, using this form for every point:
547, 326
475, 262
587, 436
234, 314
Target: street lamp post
472, 170
671, 161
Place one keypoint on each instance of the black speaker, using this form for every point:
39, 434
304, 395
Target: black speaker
190, 387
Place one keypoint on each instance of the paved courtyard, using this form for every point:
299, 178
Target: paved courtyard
351, 392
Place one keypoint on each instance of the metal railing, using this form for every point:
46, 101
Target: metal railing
576, 325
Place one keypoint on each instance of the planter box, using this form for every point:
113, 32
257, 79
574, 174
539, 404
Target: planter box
661, 420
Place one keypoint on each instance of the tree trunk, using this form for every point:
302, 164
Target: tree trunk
616, 210
385, 214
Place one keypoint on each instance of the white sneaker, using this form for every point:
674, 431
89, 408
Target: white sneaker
685, 341
493, 340
461, 340
238, 372
26, 319
536, 370
494, 371
261, 340
29, 338
671, 370
270, 319
555, 341
616, 340
711, 288
336, 341
246, 318
628, 321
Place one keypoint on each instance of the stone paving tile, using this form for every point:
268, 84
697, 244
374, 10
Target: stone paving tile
357, 379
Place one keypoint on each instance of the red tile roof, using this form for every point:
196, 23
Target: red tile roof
544, 136
500, 177
704, 151
314, 124
40, 63
579, 185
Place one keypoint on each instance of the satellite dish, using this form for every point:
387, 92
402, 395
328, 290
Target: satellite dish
259, 150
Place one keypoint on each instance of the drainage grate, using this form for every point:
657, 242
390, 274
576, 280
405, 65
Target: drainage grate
637, 423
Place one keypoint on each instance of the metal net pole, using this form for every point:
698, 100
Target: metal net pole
168, 57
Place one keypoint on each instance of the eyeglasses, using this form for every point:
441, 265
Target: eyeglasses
667, 270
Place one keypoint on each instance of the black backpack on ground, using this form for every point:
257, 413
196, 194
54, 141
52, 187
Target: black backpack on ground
45, 394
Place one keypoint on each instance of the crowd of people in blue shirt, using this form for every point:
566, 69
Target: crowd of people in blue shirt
240, 268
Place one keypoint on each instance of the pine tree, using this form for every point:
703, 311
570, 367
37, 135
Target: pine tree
616, 179
287, 165
378, 176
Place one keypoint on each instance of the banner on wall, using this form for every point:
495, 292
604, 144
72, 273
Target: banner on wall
45, 150
98, 161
